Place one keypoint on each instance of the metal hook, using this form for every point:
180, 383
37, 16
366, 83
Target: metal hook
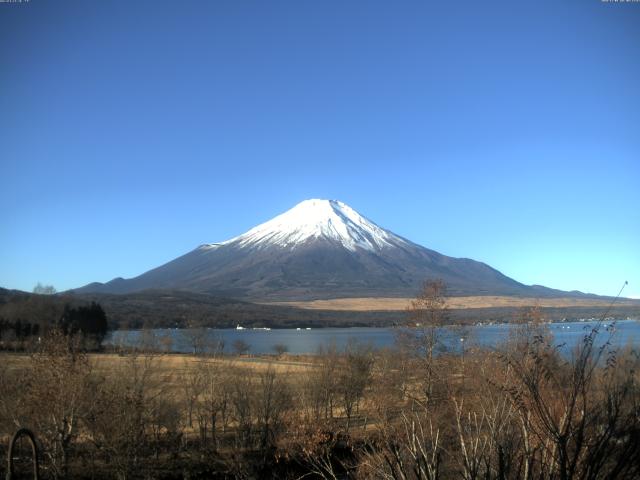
34, 452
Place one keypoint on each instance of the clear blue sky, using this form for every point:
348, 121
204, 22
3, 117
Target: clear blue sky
504, 131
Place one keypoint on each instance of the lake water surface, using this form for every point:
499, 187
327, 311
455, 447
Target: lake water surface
303, 341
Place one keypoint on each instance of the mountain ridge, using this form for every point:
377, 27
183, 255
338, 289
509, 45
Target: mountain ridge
319, 249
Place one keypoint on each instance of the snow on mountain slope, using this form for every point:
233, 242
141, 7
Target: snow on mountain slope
317, 219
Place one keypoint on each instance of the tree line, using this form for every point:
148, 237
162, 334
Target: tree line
32, 319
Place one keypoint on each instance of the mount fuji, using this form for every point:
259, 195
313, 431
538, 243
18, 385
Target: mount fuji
319, 249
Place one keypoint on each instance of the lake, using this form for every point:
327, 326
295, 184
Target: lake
305, 341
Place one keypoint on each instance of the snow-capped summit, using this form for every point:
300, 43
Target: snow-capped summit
317, 219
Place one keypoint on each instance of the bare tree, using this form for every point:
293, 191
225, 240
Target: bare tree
243, 403
321, 385
191, 383
166, 342
273, 400
41, 289
388, 386
354, 377
197, 338
211, 393
427, 314
148, 341
241, 347
280, 349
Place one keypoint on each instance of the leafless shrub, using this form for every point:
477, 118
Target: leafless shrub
12, 410
485, 436
58, 390
324, 454
407, 450
131, 411
577, 415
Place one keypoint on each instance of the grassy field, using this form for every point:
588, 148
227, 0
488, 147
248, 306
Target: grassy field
168, 367
395, 304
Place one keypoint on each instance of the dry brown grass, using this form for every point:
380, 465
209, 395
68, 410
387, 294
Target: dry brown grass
168, 367
395, 304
